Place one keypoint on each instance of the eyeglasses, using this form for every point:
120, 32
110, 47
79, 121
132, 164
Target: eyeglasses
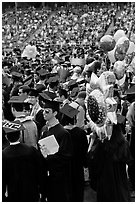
20, 92
46, 111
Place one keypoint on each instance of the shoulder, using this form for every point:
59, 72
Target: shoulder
78, 131
60, 130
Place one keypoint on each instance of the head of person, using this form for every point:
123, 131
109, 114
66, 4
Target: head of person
50, 107
116, 96
33, 96
81, 97
12, 130
53, 83
63, 94
69, 115
20, 106
23, 90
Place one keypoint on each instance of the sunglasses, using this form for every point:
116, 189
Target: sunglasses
46, 111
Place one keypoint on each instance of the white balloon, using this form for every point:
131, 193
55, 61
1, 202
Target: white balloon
118, 34
131, 48
121, 40
111, 56
30, 51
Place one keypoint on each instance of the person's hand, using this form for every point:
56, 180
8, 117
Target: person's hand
127, 127
44, 151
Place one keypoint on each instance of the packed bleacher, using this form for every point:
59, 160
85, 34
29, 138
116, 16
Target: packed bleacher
68, 71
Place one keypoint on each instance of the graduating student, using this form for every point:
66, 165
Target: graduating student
79, 156
21, 110
36, 112
58, 163
22, 168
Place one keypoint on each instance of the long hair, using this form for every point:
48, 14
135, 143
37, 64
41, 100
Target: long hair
117, 147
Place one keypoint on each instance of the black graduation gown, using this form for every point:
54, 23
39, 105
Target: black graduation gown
111, 158
59, 166
22, 173
79, 161
131, 167
40, 121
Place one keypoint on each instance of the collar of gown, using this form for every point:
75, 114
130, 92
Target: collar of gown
52, 123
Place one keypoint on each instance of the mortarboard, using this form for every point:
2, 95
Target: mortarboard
43, 72
47, 102
40, 87
69, 111
33, 92
19, 99
53, 79
27, 78
51, 95
14, 126
16, 75
131, 90
29, 82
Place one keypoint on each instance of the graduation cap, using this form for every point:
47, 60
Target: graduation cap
16, 75
27, 79
29, 82
131, 90
69, 111
33, 92
19, 99
40, 87
54, 79
14, 126
50, 94
47, 102
72, 84
43, 72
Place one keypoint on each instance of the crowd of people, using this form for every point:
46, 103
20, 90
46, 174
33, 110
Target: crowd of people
18, 26
55, 88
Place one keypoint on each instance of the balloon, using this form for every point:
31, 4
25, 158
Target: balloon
111, 56
131, 67
105, 79
119, 56
131, 48
119, 69
96, 106
123, 40
121, 48
107, 43
118, 35
132, 37
30, 52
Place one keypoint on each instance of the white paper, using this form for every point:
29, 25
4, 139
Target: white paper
50, 144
